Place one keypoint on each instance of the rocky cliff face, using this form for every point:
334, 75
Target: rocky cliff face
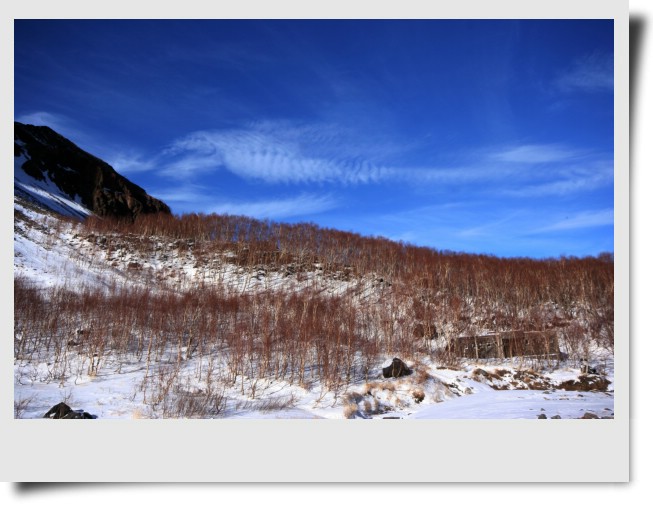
80, 175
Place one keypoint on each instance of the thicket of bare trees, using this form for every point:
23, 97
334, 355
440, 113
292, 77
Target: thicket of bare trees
449, 291
422, 298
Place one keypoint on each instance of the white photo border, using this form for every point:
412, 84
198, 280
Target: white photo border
328, 450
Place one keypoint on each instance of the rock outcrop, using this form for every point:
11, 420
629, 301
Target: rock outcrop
48, 156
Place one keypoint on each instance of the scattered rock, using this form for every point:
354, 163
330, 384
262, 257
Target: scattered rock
556, 417
541, 416
589, 415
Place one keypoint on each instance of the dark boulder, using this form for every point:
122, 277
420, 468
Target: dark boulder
59, 411
79, 414
63, 411
396, 369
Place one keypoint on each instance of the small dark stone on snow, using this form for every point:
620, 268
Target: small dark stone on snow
541, 416
556, 417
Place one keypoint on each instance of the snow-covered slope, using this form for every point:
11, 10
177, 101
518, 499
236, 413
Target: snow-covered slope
50, 252
45, 192
126, 369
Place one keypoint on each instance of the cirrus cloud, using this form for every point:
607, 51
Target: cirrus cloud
592, 73
258, 154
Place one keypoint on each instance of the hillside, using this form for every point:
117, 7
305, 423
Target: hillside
144, 314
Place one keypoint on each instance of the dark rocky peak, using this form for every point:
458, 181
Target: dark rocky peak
50, 157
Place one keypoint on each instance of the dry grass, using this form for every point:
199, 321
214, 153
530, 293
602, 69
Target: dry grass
350, 410
21, 405
272, 404
418, 395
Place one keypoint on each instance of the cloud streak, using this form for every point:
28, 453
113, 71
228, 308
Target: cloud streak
581, 220
592, 73
189, 197
304, 154
536, 154
124, 161
258, 154
60, 124
302, 205
283, 153
567, 179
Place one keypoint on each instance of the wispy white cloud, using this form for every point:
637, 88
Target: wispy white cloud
580, 220
42, 118
567, 179
526, 170
57, 122
220, 55
536, 153
304, 153
125, 161
130, 162
513, 229
488, 229
259, 154
593, 73
283, 152
302, 205
185, 197
191, 197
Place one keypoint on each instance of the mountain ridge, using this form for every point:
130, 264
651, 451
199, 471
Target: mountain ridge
63, 177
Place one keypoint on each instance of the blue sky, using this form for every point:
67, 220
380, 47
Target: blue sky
482, 136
